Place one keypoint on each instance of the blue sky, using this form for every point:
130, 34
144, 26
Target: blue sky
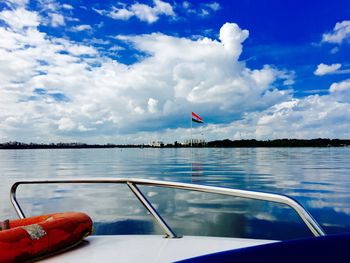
132, 71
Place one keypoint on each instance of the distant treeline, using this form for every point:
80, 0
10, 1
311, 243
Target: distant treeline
21, 145
281, 143
218, 143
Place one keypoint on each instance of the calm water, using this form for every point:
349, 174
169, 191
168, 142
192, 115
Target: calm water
317, 177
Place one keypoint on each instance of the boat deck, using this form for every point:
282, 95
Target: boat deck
148, 248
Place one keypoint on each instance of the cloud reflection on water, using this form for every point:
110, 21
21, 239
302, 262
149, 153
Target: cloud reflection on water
315, 177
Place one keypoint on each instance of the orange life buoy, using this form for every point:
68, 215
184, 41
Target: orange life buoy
38, 236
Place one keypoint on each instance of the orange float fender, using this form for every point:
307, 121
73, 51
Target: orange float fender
38, 236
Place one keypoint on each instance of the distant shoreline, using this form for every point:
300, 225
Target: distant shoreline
212, 144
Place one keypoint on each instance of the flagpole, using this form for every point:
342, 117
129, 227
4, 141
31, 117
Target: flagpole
191, 147
191, 129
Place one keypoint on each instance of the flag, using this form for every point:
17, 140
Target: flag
196, 118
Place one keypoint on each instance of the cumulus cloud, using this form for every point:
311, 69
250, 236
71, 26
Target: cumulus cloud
340, 33
80, 28
66, 124
58, 90
17, 2
56, 20
343, 86
114, 98
152, 105
55, 14
68, 7
323, 69
19, 18
143, 12
232, 37
52, 6
184, 75
314, 116
118, 13
311, 117
201, 9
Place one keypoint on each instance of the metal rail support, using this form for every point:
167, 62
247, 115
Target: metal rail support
132, 183
152, 210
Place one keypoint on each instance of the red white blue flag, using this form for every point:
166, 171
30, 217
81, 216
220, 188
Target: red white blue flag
196, 118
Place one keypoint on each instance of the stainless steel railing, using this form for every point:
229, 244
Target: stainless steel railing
132, 183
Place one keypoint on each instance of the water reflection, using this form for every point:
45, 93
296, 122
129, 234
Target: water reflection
316, 177
196, 172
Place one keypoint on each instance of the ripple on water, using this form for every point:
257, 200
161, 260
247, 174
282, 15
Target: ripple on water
316, 177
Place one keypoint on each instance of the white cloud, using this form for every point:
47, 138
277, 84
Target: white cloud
232, 37
163, 8
17, 2
56, 20
201, 9
78, 50
228, 83
323, 69
66, 124
19, 18
55, 14
51, 6
143, 12
306, 118
80, 28
343, 86
340, 33
118, 98
215, 6
152, 105
97, 41
311, 117
58, 90
186, 4
68, 7
120, 13
204, 12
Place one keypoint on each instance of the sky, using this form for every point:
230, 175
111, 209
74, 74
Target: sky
133, 71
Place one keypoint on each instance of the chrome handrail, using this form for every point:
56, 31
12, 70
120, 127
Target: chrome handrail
132, 183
